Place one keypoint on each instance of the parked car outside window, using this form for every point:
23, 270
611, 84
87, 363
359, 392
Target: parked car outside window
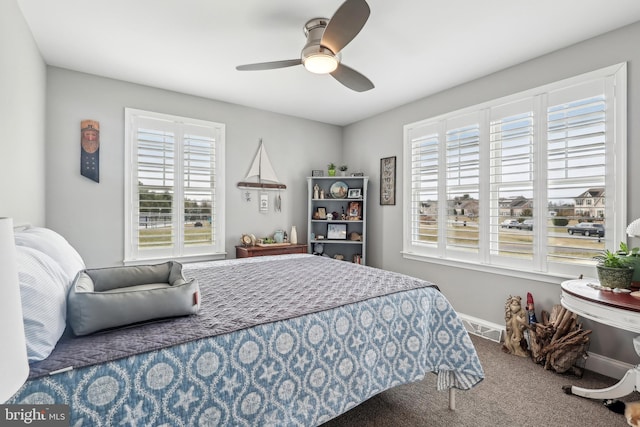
510, 223
527, 224
587, 229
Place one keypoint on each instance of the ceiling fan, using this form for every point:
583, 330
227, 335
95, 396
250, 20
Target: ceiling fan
325, 39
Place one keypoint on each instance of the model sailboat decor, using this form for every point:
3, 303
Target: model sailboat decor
261, 174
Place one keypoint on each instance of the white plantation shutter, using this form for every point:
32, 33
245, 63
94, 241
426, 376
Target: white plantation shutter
174, 187
577, 141
199, 188
423, 218
552, 156
153, 204
462, 144
511, 174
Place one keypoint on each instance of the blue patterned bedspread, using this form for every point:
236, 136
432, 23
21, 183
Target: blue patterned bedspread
301, 371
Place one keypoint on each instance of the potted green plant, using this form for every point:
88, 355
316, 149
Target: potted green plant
633, 256
614, 269
332, 169
343, 170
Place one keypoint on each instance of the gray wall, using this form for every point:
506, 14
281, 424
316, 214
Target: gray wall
475, 293
90, 215
22, 120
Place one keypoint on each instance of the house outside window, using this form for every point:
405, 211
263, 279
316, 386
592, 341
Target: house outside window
504, 181
174, 188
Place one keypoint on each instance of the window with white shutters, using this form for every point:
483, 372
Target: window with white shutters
174, 198
503, 184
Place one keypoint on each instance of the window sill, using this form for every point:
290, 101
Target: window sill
184, 259
499, 270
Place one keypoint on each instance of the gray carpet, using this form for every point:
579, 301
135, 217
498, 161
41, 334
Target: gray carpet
515, 392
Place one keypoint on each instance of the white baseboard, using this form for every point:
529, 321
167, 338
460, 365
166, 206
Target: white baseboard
595, 362
607, 366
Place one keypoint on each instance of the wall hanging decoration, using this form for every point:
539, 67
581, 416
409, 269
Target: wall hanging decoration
278, 203
261, 174
264, 202
262, 177
388, 180
90, 149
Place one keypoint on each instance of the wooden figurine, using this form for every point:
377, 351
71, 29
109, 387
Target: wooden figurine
516, 322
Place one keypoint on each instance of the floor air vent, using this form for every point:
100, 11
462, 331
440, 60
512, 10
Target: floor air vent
482, 328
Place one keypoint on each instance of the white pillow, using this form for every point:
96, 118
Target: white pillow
44, 304
55, 246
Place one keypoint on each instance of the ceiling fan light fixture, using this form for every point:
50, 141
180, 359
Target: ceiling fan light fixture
326, 38
321, 63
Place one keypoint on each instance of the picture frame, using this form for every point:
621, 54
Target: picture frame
317, 172
354, 193
337, 231
388, 180
355, 211
321, 213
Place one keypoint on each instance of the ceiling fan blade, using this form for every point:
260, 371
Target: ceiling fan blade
352, 79
269, 65
345, 24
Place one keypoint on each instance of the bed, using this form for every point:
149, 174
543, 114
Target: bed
291, 340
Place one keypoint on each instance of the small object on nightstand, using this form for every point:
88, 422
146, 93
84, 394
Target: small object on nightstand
248, 240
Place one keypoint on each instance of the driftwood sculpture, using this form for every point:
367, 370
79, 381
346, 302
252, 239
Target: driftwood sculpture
515, 318
557, 341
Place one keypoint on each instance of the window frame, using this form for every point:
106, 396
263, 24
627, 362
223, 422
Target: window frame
133, 255
539, 269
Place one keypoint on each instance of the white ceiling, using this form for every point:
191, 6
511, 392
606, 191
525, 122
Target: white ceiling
408, 48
